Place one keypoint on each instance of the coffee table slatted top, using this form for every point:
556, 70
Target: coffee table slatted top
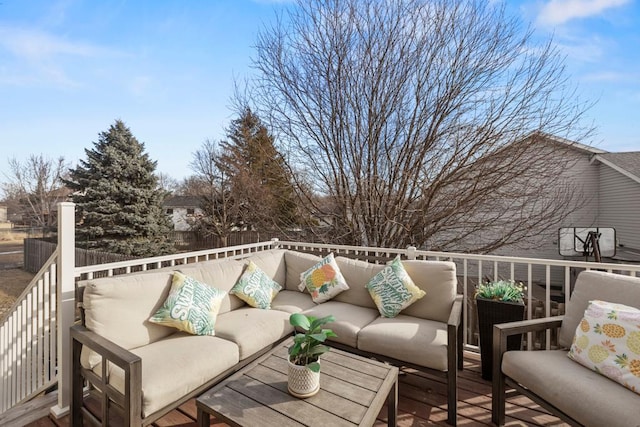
353, 390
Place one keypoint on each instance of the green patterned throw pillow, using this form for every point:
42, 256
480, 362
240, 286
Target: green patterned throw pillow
393, 290
256, 288
191, 306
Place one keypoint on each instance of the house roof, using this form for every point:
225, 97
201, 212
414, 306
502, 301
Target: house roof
573, 144
627, 164
182, 202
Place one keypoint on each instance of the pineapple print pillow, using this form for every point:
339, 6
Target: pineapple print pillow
191, 306
256, 288
607, 340
392, 289
324, 280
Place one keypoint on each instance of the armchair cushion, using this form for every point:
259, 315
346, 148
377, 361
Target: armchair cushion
584, 395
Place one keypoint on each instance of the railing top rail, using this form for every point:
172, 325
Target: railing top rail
477, 257
135, 262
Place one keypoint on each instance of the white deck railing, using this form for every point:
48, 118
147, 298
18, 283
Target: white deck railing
28, 347
34, 338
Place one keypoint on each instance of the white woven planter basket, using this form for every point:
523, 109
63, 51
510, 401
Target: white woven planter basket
303, 382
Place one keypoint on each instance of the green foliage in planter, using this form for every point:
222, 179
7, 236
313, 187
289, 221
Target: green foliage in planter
502, 290
308, 346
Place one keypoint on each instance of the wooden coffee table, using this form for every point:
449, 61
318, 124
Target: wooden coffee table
353, 390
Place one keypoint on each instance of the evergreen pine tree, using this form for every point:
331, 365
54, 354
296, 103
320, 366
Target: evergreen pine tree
118, 199
259, 176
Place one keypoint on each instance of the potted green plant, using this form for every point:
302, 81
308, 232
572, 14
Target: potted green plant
497, 302
304, 354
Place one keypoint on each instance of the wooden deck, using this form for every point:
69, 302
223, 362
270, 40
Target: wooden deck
422, 402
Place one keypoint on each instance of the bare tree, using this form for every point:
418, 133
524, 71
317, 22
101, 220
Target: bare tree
36, 184
221, 210
412, 118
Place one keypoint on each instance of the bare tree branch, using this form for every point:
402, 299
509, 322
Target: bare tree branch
412, 118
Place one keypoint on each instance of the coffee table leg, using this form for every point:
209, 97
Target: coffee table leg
392, 404
204, 418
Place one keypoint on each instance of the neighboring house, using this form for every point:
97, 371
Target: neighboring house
611, 185
182, 210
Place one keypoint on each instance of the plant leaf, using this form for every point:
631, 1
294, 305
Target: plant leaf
298, 319
314, 366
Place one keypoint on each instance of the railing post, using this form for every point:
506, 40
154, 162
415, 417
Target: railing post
411, 252
66, 303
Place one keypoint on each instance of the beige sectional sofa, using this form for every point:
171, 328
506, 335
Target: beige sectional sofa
141, 370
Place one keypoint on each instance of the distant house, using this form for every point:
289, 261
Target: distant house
3, 215
182, 210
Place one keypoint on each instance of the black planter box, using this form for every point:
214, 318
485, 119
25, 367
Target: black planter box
491, 312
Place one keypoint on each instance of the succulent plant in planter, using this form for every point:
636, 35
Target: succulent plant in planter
497, 302
304, 354
502, 290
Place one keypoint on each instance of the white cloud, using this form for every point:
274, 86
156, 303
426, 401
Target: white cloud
558, 12
37, 45
32, 56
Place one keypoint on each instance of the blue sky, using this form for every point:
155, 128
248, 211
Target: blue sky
69, 68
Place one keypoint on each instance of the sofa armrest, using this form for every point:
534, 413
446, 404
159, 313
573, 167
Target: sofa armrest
130, 399
500, 334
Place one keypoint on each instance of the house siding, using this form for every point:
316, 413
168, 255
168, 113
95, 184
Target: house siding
619, 206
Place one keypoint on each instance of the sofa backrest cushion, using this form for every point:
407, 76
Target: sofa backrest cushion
272, 262
357, 274
219, 273
438, 280
597, 285
296, 264
118, 308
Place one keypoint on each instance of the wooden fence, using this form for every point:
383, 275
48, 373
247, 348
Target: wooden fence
38, 251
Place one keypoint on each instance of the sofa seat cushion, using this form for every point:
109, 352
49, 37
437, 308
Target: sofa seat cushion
410, 339
200, 358
292, 301
584, 395
350, 319
253, 329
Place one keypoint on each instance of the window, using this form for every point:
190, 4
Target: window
169, 211
191, 211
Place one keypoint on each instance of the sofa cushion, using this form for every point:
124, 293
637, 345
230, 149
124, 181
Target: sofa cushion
597, 285
608, 342
253, 329
585, 395
419, 341
221, 273
191, 306
292, 301
392, 290
118, 309
297, 263
256, 288
350, 319
357, 274
200, 358
272, 262
438, 280
324, 280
